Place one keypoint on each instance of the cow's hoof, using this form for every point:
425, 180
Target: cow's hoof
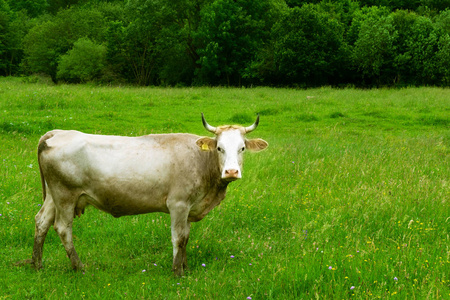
78, 267
24, 262
178, 272
29, 262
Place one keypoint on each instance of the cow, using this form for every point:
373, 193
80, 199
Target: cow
181, 174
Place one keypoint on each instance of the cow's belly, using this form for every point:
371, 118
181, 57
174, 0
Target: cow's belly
125, 201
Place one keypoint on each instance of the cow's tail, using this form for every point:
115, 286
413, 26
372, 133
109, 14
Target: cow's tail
42, 146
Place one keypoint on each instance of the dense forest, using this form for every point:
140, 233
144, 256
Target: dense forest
228, 42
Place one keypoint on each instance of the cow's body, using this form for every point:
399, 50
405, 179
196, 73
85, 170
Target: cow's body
179, 174
132, 175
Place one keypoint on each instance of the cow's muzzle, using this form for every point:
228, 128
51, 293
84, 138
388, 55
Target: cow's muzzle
231, 175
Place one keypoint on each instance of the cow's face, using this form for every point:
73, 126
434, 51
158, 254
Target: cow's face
230, 144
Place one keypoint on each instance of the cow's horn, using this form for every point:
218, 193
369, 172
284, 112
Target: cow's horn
253, 126
207, 126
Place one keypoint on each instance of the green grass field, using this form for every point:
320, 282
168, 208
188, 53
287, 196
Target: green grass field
350, 201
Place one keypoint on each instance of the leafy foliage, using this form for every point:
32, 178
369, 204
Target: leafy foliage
374, 49
443, 57
4, 23
308, 47
223, 42
230, 33
12, 29
46, 42
34, 8
85, 62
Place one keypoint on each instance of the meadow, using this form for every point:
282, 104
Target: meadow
350, 201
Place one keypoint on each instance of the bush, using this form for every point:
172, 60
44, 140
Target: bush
85, 62
46, 42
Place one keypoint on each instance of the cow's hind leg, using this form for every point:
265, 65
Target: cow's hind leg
180, 236
63, 226
44, 219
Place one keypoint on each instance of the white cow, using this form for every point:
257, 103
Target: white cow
181, 174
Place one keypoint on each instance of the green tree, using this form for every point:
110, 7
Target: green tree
153, 44
341, 10
374, 50
443, 59
398, 49
54, 6
230, 34
185, 19
181, 54
421, 46
300, 3
136, 47
442, 21
34, 8
46, 42
439, 5
19, 27
116, 55
85, 62
5, 13
393, 4
308, 47
360, 16
13, 27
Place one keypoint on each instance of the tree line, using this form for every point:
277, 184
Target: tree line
228, 42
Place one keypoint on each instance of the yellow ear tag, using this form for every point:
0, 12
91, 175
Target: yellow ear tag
205, 147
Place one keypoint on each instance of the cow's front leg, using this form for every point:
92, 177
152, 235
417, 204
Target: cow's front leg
180, 236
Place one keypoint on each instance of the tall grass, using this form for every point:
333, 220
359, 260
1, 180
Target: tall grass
351, 199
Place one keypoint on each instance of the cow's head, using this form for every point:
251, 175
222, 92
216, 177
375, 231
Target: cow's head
230, 143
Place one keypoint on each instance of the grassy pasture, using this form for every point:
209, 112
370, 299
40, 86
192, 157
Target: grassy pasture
350, 201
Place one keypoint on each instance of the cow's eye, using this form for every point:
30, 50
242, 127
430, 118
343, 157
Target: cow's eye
242, 149
220, 149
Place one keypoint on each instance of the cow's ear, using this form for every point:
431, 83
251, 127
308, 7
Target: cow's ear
206, 143
256, 144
